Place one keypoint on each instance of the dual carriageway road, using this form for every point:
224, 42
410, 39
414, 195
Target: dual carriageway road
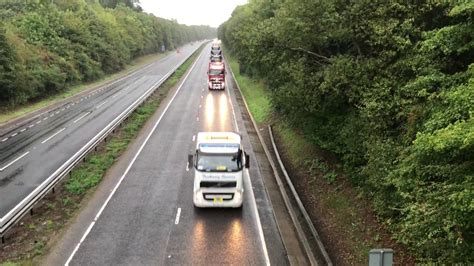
145, 215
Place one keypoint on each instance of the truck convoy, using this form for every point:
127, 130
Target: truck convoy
216, 70
218, 164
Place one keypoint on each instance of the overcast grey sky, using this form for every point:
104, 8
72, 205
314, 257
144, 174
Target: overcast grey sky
192, 12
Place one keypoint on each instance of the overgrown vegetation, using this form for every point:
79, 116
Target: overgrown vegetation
386, 86
47, 46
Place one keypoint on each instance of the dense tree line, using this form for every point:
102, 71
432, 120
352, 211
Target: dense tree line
46, 46
387, 86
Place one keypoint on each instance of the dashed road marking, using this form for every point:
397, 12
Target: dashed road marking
32, 125
194, 138
82, 116
12, 162
5, 139
178, 214
98, 106
14, 134
39, 121
23, 130
52, 136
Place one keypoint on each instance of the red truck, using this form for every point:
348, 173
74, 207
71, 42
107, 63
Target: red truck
216, 76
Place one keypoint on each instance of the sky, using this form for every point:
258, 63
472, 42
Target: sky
192, 12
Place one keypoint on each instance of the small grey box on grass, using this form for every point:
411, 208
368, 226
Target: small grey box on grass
381, 257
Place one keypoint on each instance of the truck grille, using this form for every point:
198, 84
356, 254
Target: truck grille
218, 184
224, 196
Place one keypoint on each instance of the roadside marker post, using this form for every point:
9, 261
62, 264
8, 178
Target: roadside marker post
381, 257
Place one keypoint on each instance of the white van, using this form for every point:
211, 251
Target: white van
218, 165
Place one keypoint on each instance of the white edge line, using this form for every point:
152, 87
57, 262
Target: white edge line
12, 162
52, 136
178, 214
131, 162
252, 196
232, 105
82, 116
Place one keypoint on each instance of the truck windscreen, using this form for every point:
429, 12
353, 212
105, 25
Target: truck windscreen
219, 162
215, 72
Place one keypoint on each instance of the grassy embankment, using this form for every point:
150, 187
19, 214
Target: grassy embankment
32, 238
334, 201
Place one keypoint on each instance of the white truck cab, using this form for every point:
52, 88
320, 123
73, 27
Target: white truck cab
218, 165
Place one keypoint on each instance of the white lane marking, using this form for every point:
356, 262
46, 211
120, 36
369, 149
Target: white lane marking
51, 115
12, 162
14, 134
252, 196
23, 130
32, 125
63, 109
57, 112
5, 139
52, 136
131, 162
46, 118
82, 116
98, 106
259, 222
39, 121
194, 138
115, 95
82, 99
187, 167
178, 213
232, 106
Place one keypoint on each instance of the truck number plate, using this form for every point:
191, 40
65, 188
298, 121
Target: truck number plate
218, 200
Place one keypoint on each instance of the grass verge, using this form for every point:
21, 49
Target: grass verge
342, 215
31, 238
254, 92
7, 115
